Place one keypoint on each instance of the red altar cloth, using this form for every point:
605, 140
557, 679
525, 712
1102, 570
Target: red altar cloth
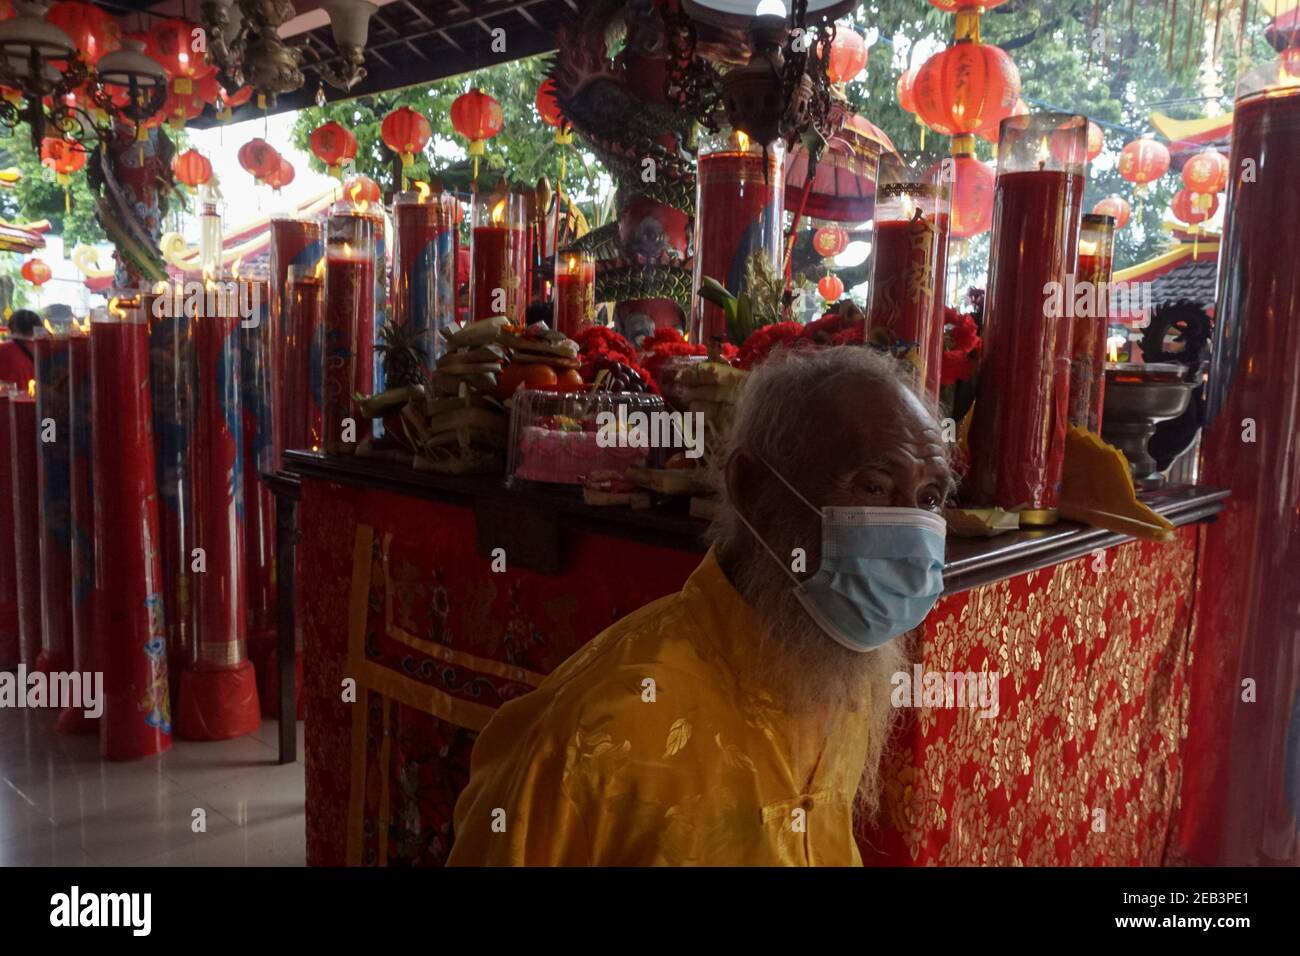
1081, 767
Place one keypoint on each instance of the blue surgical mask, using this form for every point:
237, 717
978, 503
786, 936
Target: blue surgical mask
881, 571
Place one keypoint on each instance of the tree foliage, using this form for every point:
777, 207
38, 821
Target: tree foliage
37, 196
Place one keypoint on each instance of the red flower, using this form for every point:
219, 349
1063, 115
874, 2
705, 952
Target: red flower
855, 334
957, 365
763, 340
600, 338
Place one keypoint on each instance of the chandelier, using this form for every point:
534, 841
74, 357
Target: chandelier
245, 46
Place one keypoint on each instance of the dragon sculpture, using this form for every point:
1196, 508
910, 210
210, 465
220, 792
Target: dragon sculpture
610, 77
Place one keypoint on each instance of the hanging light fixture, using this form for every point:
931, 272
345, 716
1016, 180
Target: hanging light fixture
245, 46
28, 45
135, 84
350, 24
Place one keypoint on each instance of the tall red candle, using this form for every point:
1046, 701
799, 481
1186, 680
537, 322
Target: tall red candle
1088, 338
304, 358
349, 319
217, 698
80, 428
259, 455
294, 243
498, 255
1017, 440
738, 211
575, 292
53, 465
1238, 795
10, 644
424, 267
27, 522
909, 248
129, 642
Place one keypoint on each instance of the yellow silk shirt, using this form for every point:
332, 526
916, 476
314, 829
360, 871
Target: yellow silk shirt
650, 747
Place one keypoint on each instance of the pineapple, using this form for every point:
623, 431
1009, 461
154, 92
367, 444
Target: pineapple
402, 358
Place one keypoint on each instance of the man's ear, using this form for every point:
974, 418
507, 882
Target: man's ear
740, 480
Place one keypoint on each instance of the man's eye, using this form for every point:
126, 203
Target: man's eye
932, 500
875, 489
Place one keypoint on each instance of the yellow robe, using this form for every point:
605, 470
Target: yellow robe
649, 747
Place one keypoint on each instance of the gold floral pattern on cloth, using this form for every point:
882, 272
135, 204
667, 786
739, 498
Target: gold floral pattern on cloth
1080, 765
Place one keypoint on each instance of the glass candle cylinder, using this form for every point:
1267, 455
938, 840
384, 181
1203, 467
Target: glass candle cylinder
130, 641
1243, 770
575, 292
81, 486
53, 464
1091, 313
1017, 440
349, 317
27, 521
304, 362
909, 248
256, 343
424, 267
294, 243
10, 642
498, 255
738, 213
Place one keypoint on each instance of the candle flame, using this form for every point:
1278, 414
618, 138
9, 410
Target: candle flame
422, 190
573, 263
234, 268
499, 213
1087, 247
742, 140
320, 268
49, 327
1043, 153
31, 388
1112, 350
347, 249
116, 308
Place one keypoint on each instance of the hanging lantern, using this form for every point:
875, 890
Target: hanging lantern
1116, 207
260, 158
548, 108
334, 145
209, 89
36, 272
972, 197
955, 6
964, 89
92, 30
1096, 140
232, 101
1186, 208
993, 132
477, 117
360, 189
903, 87
63, 156
281, 176
830, 288
405, 132
848, 55
1143, 161
192, 168
830, 241
1205, 174
171, 43
180, 108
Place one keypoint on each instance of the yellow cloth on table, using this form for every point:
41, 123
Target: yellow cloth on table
585, 770
1097, 489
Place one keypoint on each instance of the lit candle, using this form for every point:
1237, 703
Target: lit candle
498, 255
294, 243
1017, 438
575, 292
1088, 341
81, 472
304, 357
53, 465
349, 327
256, 343
424, 266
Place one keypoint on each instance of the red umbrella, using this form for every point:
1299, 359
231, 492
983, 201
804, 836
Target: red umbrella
844, 186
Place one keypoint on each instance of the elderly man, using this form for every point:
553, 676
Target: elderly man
741, 720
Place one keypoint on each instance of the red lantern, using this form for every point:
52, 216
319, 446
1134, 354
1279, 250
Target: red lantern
993, 132
1188, 207
209, 89
830, 287
972, 197
1143, 161
171, 42
182, 107
63, 156
848, 55
192, 168
282, 175
952, 6
334, 145
36, 272
830, 241
1096, 140
361, 189
91, 29
405, 132
260, 158
1116, 207
477, 117
966, 88
548, 108
1206, 172
237, 98
906, 99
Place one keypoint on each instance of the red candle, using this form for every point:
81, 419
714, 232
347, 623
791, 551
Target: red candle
304, 359
294, 242
218, 691
259, 456
53, 466
575, 292
129, 642
10, 645
424, 266
1088, 339
737, 212
74, 719
934, 351
349, 328
1017, 438
27, 522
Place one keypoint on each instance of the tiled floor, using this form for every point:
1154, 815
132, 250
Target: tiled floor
60, 805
